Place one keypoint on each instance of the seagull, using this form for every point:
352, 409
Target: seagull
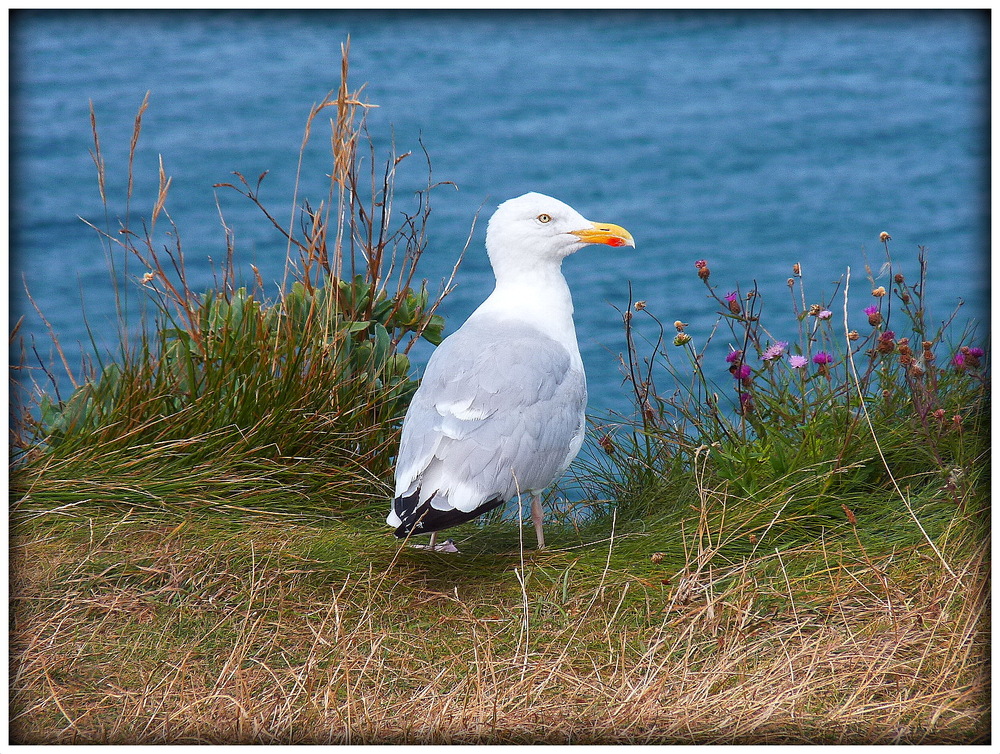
500, 411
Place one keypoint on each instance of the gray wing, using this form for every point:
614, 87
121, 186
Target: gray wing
500, 410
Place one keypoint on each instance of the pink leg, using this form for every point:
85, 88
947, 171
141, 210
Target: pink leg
536, 519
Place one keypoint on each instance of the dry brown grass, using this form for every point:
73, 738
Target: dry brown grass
134, 632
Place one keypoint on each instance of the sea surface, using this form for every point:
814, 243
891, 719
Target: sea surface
753, 140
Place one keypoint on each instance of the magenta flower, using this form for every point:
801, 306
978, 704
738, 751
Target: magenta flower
701, 264
822, 358
825, 314
742, 372
870, 310
887, 335
731, 297
734, 356
958, 361
977, 352
746, 403
797, 362
775, 351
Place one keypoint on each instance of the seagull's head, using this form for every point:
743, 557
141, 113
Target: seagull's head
535, 228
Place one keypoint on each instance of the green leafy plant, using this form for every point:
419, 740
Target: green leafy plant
233, 398
810, 434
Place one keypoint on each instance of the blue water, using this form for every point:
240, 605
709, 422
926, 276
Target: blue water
753, 140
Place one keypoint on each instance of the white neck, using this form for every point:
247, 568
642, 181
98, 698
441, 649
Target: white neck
540, 298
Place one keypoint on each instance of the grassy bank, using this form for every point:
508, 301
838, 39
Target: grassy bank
132, 630
788, 543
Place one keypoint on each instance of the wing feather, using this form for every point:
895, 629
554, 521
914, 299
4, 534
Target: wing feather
500, 410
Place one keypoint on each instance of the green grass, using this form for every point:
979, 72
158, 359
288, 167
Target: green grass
134, 629
785, 555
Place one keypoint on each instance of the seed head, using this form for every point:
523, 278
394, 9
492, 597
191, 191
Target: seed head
680, 325
879, 292
733, 300
640, 305
883, 237
899, 278
796, 269
657, 557
853, 335
814, 310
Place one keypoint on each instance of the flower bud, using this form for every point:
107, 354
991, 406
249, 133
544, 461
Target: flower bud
682, 338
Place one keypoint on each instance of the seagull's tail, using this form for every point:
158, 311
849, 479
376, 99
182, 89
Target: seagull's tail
417, 518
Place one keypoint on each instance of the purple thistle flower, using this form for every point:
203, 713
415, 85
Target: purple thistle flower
887, 335
958, 361
701, 264
822, 358
775, 351
977, 352
734, 356
731, 296
870, 310
742, 372
797, 362
825, 314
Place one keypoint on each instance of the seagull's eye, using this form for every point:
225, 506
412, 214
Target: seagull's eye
543, 218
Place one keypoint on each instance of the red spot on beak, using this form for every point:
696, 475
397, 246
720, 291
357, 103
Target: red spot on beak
615, 242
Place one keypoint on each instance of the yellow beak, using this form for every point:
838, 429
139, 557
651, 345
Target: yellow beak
606, 233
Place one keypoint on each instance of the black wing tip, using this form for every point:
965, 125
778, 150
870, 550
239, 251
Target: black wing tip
425, 519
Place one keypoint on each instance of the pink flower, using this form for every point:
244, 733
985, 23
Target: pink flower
742, 372
701, 264
825, 314
731, 296
870, 310
822, 358
977, 352
775, 351
734, 356
797, 362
